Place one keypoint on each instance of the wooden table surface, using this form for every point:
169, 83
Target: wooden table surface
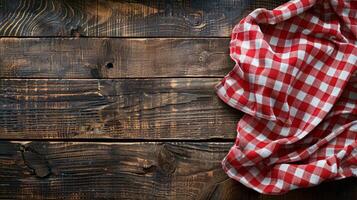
115, 99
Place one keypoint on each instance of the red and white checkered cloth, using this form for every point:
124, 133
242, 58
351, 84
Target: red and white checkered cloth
295, 81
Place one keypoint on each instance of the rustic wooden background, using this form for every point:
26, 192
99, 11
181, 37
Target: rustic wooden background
115, 99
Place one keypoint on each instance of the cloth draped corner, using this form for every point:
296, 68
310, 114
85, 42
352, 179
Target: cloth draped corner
295, 79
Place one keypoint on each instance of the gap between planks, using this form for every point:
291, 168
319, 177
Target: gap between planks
124, 140
116, 37
126, 78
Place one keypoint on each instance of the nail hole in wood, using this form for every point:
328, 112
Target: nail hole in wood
109, 65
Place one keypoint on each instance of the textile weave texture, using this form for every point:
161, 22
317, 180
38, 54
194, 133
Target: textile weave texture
295, 80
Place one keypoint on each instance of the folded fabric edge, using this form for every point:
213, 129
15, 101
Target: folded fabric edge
232, 172
221, 93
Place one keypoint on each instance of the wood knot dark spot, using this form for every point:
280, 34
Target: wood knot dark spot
36, 162
149, 169
203, 56
95, 72
196, 19
109, 65
76, 32
166, 161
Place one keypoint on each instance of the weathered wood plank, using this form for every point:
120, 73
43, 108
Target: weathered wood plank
124, 18
182, 108
180, 170
174, 18
113, 58
39, 170
47, 17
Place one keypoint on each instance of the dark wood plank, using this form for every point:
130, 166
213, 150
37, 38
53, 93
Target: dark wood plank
39, 170
113, 58
174, 18
182, 108
117, 18
180, 170
48, 17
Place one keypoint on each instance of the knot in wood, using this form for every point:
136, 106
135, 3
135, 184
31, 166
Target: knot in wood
203, 56
166, 161
35, 161
76, 32
196, 19
109, 65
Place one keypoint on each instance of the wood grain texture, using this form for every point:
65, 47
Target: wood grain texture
176, 170
109, 170
182, 108
89, 57
47, 17
173, 17
128, 18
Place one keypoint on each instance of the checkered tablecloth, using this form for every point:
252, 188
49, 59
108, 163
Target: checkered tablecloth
295, 81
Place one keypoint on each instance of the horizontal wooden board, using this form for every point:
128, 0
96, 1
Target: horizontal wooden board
181, 108
176, 170
47, 17
110, 170
117, 18
113, 57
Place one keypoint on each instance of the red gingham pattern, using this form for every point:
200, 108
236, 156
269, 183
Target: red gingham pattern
295, 81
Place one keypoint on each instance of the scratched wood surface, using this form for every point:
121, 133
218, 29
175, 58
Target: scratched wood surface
129, 18
113, 57
114, 99
165, 108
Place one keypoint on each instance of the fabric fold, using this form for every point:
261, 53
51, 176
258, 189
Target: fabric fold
295, 80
